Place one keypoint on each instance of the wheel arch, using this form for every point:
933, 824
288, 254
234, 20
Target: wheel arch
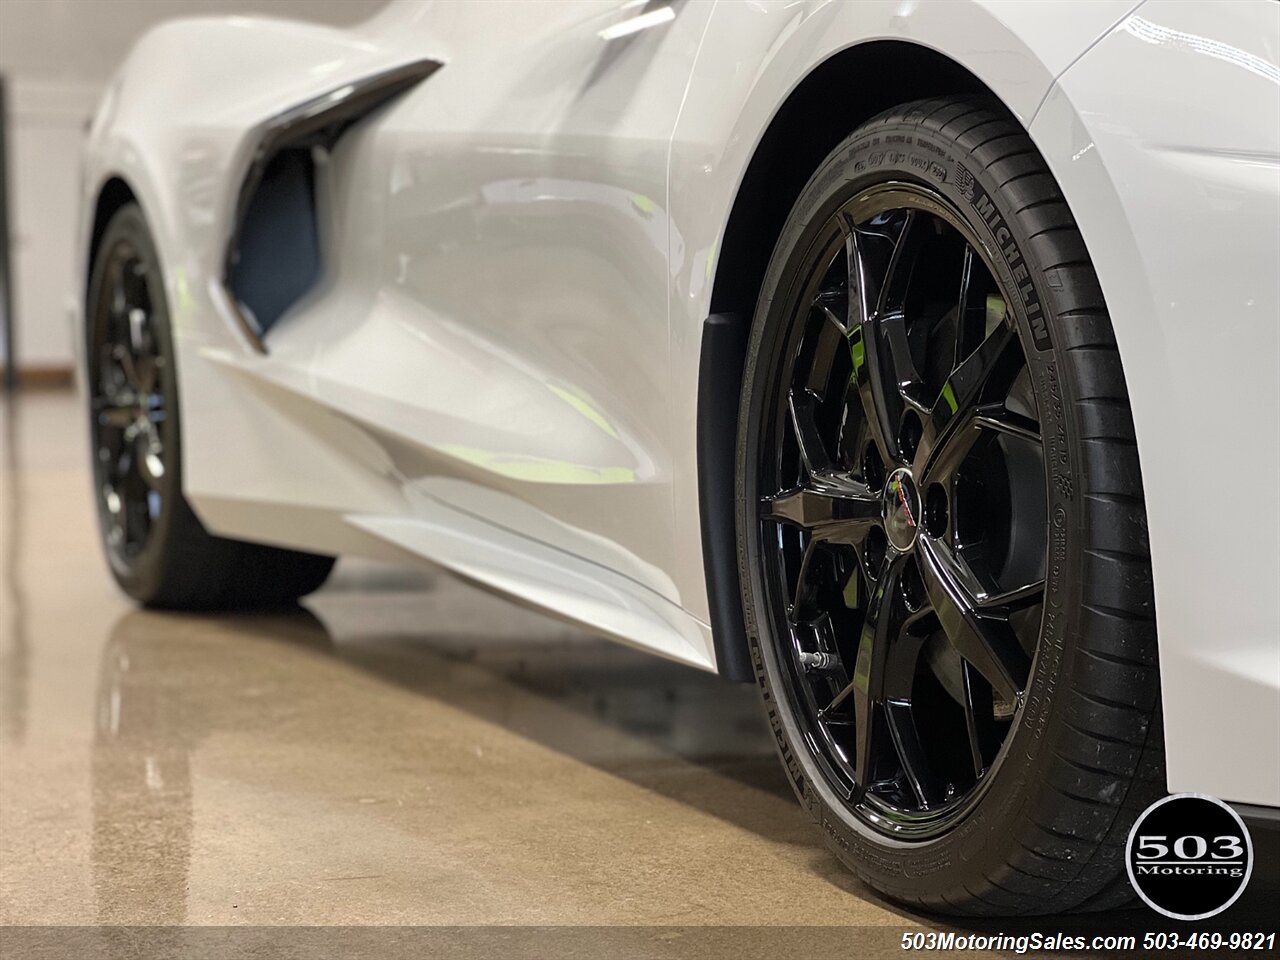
806, 127
114, 194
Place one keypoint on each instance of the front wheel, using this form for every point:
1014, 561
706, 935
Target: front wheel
942, 538
158, 551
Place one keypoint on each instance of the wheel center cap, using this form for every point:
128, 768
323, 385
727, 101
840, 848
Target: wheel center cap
901, 509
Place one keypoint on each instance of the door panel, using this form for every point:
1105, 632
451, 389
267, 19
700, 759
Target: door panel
500, 297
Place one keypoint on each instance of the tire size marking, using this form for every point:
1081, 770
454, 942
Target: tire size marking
1054, 434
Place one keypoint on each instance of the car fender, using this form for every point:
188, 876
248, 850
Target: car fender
752, 58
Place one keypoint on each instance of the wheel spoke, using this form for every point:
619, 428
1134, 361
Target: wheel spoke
979, 717
132, 369
1010, 424
866, 687
950, 450
961, 348
134, 342
902, 659
954, 407
868, 382
862, 300
813, 452
906, 251
123, 493
983, 640
117, 413
832, 337
113, 379
114, 507
901, 372
149, 459
118, 300
116, 456
875, 387
133, 286
1017, 598
915, 762
958, 438
833, 507
833, 510
868, 673
901, 664
801, 595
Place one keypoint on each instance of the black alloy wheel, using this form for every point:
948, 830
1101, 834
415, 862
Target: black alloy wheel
941, 539
127, 389
907, 511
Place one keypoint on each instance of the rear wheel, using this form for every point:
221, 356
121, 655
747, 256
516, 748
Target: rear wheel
158, 551
944, 556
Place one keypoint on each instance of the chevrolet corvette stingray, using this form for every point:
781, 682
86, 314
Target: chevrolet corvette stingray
916, 361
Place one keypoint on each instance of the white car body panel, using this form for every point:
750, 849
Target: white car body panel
499, 370
1178, 197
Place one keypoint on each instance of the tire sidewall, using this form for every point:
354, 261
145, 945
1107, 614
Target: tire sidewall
905, 151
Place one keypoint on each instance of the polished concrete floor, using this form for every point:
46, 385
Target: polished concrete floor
405, 750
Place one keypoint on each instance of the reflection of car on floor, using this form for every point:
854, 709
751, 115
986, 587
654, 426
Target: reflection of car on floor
815, 344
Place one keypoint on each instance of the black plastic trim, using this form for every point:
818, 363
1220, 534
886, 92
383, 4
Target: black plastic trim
317, 122
1264, 829
1267, 818
720, 366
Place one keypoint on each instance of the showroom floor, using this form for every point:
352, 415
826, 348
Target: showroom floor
406, 750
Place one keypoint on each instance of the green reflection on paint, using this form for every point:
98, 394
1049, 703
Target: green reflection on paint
643, 204
539, 470
584, 407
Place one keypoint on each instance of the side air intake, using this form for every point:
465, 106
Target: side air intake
273, 254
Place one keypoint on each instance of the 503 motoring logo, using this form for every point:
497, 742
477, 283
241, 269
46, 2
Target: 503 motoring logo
1189, 856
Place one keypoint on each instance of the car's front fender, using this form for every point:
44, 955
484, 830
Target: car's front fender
1165, 138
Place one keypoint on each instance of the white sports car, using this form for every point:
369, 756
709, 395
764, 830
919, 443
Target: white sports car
917, 361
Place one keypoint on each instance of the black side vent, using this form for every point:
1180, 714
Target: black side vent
273, 254
277, 257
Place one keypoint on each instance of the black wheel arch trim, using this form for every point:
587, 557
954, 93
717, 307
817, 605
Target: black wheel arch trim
1264, 830
720, 366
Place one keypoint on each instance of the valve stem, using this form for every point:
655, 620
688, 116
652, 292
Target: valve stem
818, 661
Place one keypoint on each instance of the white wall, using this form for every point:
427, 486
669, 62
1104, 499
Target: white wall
56, 56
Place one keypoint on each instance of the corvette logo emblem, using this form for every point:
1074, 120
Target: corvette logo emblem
905, 503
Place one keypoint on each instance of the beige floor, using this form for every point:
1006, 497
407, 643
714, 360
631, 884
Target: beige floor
406, 751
